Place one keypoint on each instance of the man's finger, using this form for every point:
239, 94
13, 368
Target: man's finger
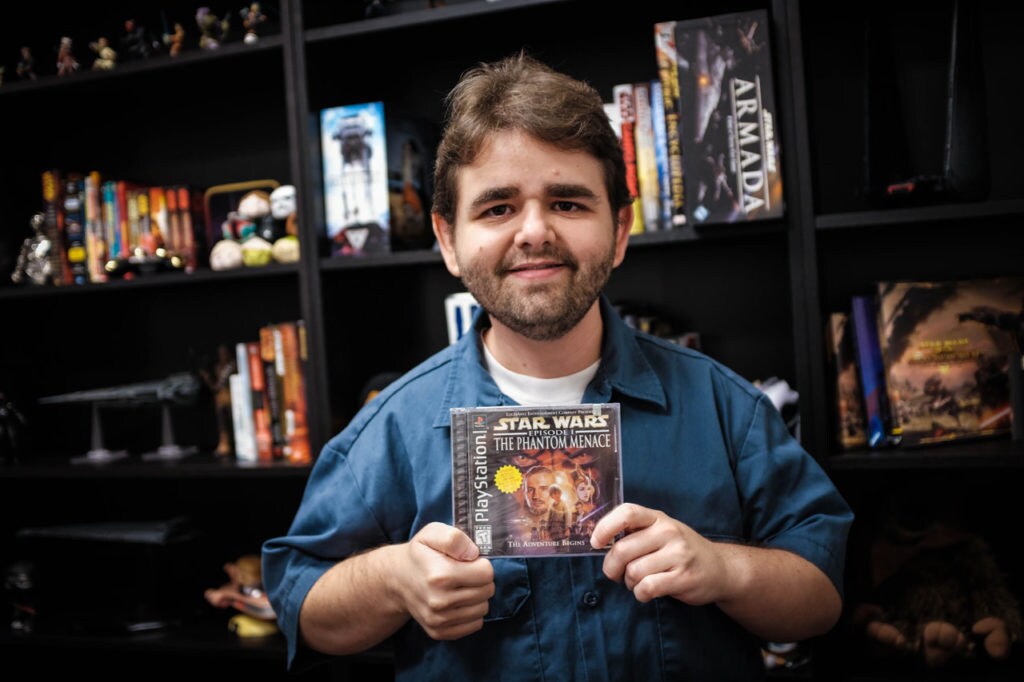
624, 518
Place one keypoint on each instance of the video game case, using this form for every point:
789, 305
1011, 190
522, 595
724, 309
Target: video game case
730, 143
534, 481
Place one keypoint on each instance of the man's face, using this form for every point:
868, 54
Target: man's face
538, 495
536, 239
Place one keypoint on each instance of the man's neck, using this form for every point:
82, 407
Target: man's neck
573, 352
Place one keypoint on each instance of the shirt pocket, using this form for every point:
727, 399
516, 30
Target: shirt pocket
511, 588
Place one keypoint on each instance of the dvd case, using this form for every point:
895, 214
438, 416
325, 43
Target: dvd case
534, 481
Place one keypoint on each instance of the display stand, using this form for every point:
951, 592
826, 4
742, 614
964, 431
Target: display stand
99, 454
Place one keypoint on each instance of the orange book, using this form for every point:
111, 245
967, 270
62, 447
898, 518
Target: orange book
260, 407
296, 433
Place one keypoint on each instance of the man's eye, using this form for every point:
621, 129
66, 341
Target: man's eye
566, 206
497, 211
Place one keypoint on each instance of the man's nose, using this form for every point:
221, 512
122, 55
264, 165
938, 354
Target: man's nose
535, 226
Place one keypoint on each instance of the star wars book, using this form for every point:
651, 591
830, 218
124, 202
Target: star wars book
848, 400
947, 347
730, 145
534, 481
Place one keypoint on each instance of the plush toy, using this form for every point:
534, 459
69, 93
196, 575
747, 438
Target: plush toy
938, 593
244, 592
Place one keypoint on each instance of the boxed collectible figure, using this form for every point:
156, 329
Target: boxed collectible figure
355, 180
534, 481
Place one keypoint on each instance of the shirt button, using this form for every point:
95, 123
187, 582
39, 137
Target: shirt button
591, 599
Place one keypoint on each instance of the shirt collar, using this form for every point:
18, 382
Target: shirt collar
624, 368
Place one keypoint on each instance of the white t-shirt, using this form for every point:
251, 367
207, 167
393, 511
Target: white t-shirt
527, 390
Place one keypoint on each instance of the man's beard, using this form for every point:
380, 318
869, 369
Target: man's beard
540, 312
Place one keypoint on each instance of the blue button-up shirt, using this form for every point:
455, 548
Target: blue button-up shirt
699, 443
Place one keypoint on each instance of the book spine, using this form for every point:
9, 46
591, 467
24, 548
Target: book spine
296, 433
846, 393
460, 470
260, 408
661, 156
123, 218
53, 225
95, 242
76, 254
158, 217
646, 159
668, 74
623, 94
245, 430
111, 234
175, 242
272, 387
187, 228
864, 312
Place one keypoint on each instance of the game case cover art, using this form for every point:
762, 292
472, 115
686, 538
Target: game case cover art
947, 347
534, 481
356, 203
730, 144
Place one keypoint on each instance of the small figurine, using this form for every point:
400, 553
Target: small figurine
106, 57
218, 381
226, 254
34, 258
244, 592
252, 17
66, 62
212, 31
256, 252
12, 423
175, 41
26, 65
134, 42
283, 210
19, 584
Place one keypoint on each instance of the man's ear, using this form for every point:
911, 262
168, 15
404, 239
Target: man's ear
623, 224
446, 240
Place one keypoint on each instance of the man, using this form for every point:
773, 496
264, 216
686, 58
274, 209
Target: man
731, 532
537, 499
558, 515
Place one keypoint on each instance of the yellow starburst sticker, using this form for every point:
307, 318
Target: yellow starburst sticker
508, 479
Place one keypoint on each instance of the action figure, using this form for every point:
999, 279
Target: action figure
252, 17
175, 41
219, 384
26, 69
134, 43
34, 258
212, 31
66, 63
106, 58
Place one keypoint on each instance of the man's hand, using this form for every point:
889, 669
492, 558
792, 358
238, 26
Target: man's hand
660, 556
443, 582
